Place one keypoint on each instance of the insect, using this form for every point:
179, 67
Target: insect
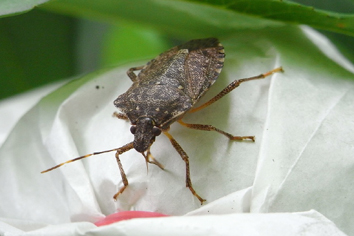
165, 90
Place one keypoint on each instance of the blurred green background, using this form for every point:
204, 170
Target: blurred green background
55, 41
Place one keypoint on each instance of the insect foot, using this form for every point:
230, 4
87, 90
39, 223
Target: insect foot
163, 91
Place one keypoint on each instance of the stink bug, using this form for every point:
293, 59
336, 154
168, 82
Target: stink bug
163, 92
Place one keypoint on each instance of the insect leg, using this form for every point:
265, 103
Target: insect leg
120, 116
212, 128
234, 85
185, 158
120, 151
131, 73
151, 159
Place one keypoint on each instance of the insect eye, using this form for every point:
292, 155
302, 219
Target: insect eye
156, 131
133, 129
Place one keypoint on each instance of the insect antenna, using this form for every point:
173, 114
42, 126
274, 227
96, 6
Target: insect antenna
79, 158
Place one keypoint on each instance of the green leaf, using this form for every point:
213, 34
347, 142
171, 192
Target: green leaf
178, 18
130, 43
213, 17
11, 7
35, 48
290, 12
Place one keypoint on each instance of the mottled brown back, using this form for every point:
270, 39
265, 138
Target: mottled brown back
202, 65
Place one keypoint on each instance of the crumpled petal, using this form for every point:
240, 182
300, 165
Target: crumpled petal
301, 160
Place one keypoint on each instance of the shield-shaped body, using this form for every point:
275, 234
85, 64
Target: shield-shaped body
169, 85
